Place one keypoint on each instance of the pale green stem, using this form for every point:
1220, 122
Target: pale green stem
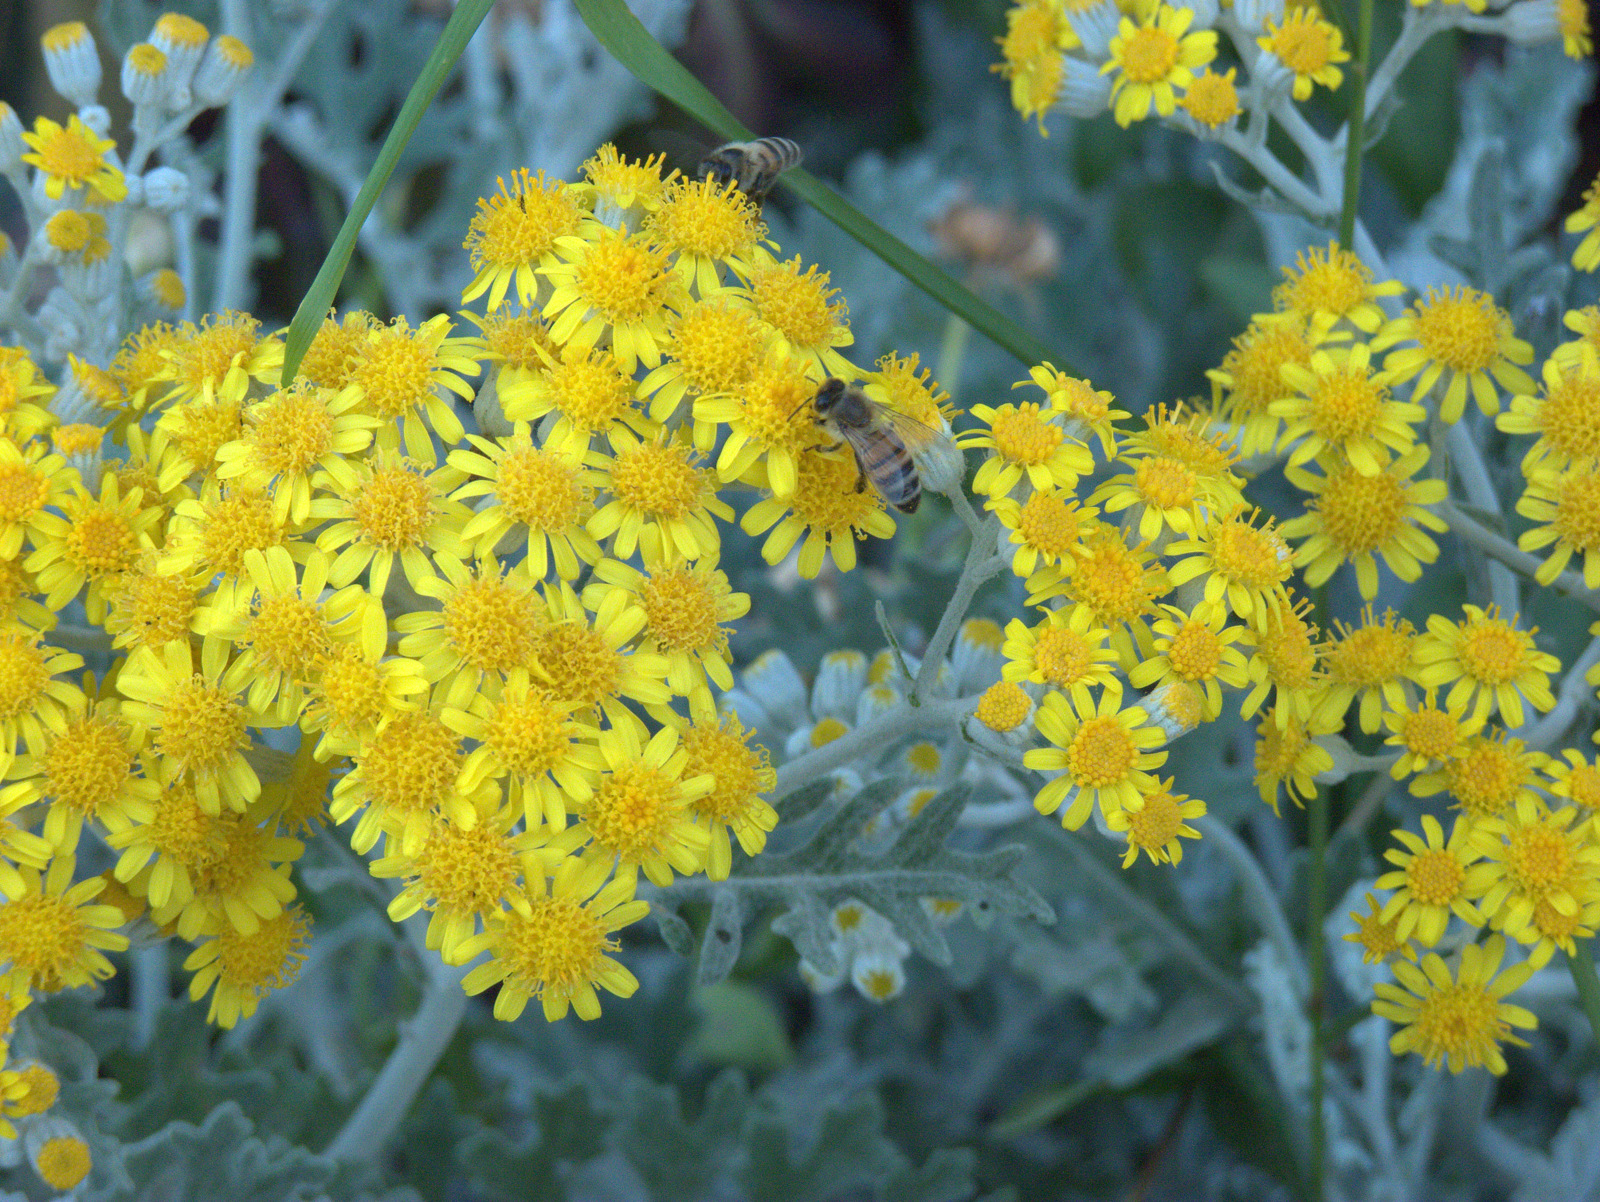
952, 352
1469, 529
1468, 463
1416, 27
1574, 694
1377, 789
982, 563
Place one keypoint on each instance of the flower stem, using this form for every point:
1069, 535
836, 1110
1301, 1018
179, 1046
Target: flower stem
1583, 976
981, 564
1355, 131
1317, 907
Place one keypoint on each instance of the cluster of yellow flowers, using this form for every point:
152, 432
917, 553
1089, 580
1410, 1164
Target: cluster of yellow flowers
1190, 593
1139, 57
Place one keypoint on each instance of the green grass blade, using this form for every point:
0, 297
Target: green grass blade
620, 32
313, 308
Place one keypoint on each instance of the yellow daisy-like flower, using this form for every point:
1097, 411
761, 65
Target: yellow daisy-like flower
1212, 99
1488, 662
72, 156
803, 315
1375, 937
402, 778
216, 360
1288, 754
1250, 377
583, 661
210, 534
1352, 517
661, 503
826, 508
1309, 46
1067, 651
1343, 407
721, 748
771, 421
1573, 17
32, 702
1371, 661
336, 349
1427, 736
1566, 419
1106, 755
152, 609
353, 695
1459, 1019
1430, 881
241, 881
707, 225
610, 282
621, 187
1249, 564
393, 509
1490, 775
588, 391
713, 349
1577, 779
1464, 338
1586, 217
1285, 661
53, 934
1197, 649
515, 232
537, 497
1157, 828
1085, 409
1532, 856
551, 943
487, 624
1152, 59
1027, 440
642, 809
1119, 583
402, 375
239, 970
1327, 286
30, 482
97, 542
1046, 529
1036, 33
1566, 504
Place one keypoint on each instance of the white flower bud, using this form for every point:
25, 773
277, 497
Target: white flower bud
1272, 81
72, 61
164, 289
183, 40
1085, 93
144, 77
840, 679
820, 982
166, 189
942, 465
221, 71
878, 976
1205, 13
97, 119
1533, 22
1095, 27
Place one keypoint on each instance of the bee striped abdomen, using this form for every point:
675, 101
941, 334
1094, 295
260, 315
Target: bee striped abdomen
886, 462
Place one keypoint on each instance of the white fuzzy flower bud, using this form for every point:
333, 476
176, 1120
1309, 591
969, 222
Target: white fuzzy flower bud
878, 976
164, 289
941, 465
1095, 26
144, 77
72, 61
97, 119
840, 678
1533, 22
1085, 93
221, 71
12, 147
1253, 15
1272, 80
166, 189
183, 40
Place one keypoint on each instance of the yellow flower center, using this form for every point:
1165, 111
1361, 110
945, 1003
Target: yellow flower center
43, 1087
101, 543
1430, 733
351, 687
335, 350
1583, 786
1458, 329
826, 731
1457, 1021
467, 871
395, 508
156, 608
202, 726
23, 491
72, 153
268, 959
742, 772
515, 339
1254, 362
201, 427
923, 758
1304, 45
615, 176
1196, 652
1345, 403
825, 499
680, 608
592, 390
238, 521
1570, 417
411, 765
717, 346
1435, 876
88, 764
287, 634
777, 409
63, 1161
1377, 938
79, 438
1212, 99
659, 479
1286, 646
577, 663
1484, 778
704, 218
1538, 857
1326, 283
203, 356
1165, 483
395, 372
1063, 656
181, 830
1149, 55
1577, 516
491, 625
291, 431
1553, 924
1158, 824
1004, 706
1361, 513
983, 632
879, 984
529, 734
541, 489
1255, 557
558, 947
1370, 655
635, 811
519, 225
1024, 435
1491, 652
624, 279
800, 306
24, 674
1112, 581
1102, 753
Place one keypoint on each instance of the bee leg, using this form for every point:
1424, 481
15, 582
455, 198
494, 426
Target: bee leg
861, 471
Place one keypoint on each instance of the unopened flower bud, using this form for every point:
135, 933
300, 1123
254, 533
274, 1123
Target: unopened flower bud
1095, 26
72, 61
166, 189
221, 70
144, 76
165, 288
1253, 15
12, 147
183, 40
1085, 93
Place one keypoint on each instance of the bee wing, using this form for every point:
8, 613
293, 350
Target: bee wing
916, 435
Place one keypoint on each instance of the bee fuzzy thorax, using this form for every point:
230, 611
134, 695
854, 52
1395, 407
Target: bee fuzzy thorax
753, 167
886, 444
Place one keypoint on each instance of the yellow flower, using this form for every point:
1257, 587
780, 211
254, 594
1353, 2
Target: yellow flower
1353, 517
30, 482
706, 225
1285, 661
1250, 378
241, 879
1573, 16
1309, 46
583, 661
1084, 408
551, 943
238, 970
1431, 881
1325, 287
1578, 780
393, 508
805, 320
1462, 334
609, 282
770, 420
1212, 99
210, 534
151, 609
1491, 774
1119, 583
1103, 755
1343, 407
1067, 650
1246, 563
1457, 1020
1487, 662
1027, 440
1375, 937
404, 775
97, 542
74, 157
661, 503
515, 232
742, 773
589, 392
401, 374
1426, 735
1533, 855
215, 360
1370, 661
32, 703
1036, 34
713, 349
1587, 217
1196, 649
1157, 827
538, 498
1566, 503
1566, 420
1153, 58
54, 936
1046, 529
1288, 754
487, 624
621, 187
826, 508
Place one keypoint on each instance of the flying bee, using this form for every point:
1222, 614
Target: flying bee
752, 167
884, 442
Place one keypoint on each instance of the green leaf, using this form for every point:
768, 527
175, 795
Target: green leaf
620, 32
739, 1026
719, 949
1042, 1108
678, 1159
849, 1154
319, 298
945, 1177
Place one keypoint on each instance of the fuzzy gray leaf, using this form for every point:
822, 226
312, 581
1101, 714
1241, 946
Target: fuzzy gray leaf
946, 1177
676, 1158
806, 925
675, 933
719, 949
849, 1154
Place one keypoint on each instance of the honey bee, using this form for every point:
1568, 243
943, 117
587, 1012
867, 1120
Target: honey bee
752, 167
884, 442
